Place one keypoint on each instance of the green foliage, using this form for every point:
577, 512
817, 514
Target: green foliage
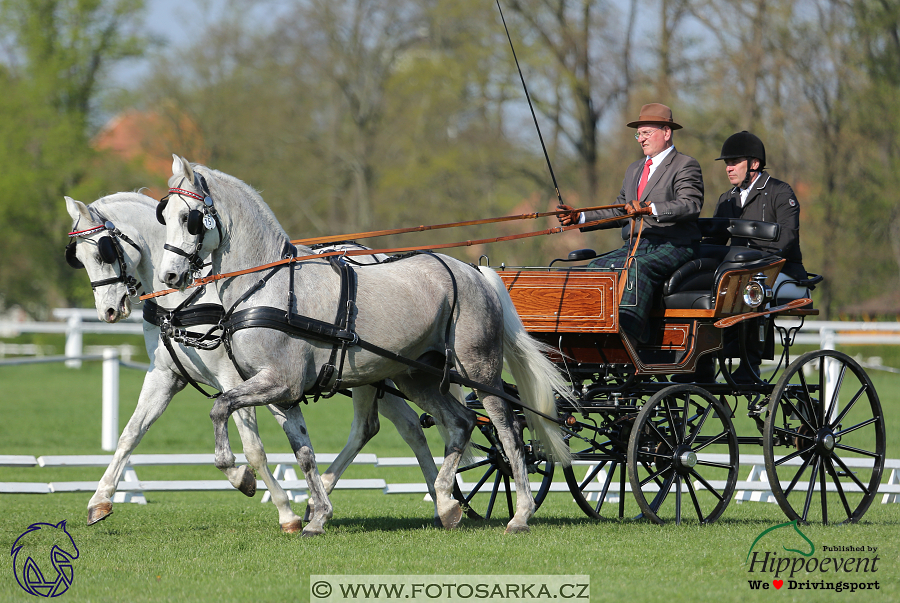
58, 51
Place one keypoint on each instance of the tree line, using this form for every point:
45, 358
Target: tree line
355, 115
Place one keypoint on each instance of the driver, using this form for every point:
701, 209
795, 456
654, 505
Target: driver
663, 195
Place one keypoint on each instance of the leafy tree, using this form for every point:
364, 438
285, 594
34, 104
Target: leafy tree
56, 53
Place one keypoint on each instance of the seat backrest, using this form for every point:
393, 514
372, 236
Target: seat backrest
704, 272
751, 229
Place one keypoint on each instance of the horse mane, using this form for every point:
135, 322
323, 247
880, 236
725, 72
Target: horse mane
240, 193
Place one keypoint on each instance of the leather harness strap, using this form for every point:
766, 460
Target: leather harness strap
351, 252
168, 320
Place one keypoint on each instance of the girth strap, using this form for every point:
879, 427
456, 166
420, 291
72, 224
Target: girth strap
344, 322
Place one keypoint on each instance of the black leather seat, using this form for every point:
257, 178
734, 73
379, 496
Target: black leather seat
693, 286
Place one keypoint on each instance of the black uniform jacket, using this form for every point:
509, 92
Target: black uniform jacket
676, 191
770, 200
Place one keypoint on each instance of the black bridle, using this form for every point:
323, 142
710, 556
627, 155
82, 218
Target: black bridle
198, 221
111, 252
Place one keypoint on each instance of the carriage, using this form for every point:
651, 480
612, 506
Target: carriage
632, 415
642, 423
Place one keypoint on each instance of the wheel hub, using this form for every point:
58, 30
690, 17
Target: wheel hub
825, 441
685, 459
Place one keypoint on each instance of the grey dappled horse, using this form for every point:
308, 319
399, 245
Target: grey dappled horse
403, 306
134, 216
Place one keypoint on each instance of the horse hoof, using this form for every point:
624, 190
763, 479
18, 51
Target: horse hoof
248, 483
292, 527
308, 532
451, 519
519, 528
99, 512
437, 523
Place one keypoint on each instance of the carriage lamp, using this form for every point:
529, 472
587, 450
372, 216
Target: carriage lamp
756, 292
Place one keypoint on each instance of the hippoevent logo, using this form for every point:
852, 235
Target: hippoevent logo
784, 557
42, 559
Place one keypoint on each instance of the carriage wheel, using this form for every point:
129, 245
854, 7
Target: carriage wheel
824, 432
597, 475
683, 456
485, 475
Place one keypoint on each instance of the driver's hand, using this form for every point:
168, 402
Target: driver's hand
571, 215
633, 208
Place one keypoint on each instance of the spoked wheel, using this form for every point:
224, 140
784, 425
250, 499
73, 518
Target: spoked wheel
484, 479
597, 475
683, 456
824, 439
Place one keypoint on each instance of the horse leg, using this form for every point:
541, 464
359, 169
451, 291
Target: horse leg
363, 428
266, 388
245, 419
458, 423
291, 421
513, 445
243, 477
405, 419
159, 387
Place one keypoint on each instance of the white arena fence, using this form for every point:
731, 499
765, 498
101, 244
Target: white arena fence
754, 488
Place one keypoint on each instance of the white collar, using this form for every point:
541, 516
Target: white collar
660, 156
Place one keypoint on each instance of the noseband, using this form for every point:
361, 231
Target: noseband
111, 252
198, 221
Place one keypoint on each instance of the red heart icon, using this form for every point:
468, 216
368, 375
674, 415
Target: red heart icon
778, 583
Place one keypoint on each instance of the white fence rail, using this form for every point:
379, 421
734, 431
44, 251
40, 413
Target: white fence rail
77, 322
755, 488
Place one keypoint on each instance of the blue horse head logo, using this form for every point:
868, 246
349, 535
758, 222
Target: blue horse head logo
42, 559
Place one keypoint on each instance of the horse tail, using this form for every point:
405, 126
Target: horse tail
535, 376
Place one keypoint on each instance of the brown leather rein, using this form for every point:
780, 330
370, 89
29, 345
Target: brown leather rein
354, 252
382, 233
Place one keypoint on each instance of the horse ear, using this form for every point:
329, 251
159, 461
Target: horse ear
182, 167
77, 210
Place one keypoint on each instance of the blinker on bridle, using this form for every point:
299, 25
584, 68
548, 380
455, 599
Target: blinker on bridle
110, 250
198, 221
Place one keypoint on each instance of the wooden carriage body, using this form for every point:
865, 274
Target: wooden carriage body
575, 310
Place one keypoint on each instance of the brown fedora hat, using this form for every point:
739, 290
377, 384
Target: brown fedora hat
655, 113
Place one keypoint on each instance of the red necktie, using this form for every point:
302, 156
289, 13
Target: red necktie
644, 175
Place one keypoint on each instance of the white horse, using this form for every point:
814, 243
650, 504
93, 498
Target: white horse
128, 255
432, 310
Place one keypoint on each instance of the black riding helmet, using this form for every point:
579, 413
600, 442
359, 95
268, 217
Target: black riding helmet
744, 144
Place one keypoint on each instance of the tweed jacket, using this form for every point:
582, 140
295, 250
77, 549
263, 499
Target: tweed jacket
676, 191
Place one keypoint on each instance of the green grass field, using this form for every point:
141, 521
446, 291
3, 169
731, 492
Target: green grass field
225, 547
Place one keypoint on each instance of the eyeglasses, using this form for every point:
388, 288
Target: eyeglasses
645, 134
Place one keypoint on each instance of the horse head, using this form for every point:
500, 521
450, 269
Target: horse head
787, 533
193, 228
210, 214
97, 246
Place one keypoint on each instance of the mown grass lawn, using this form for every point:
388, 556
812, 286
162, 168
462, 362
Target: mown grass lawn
225, 547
